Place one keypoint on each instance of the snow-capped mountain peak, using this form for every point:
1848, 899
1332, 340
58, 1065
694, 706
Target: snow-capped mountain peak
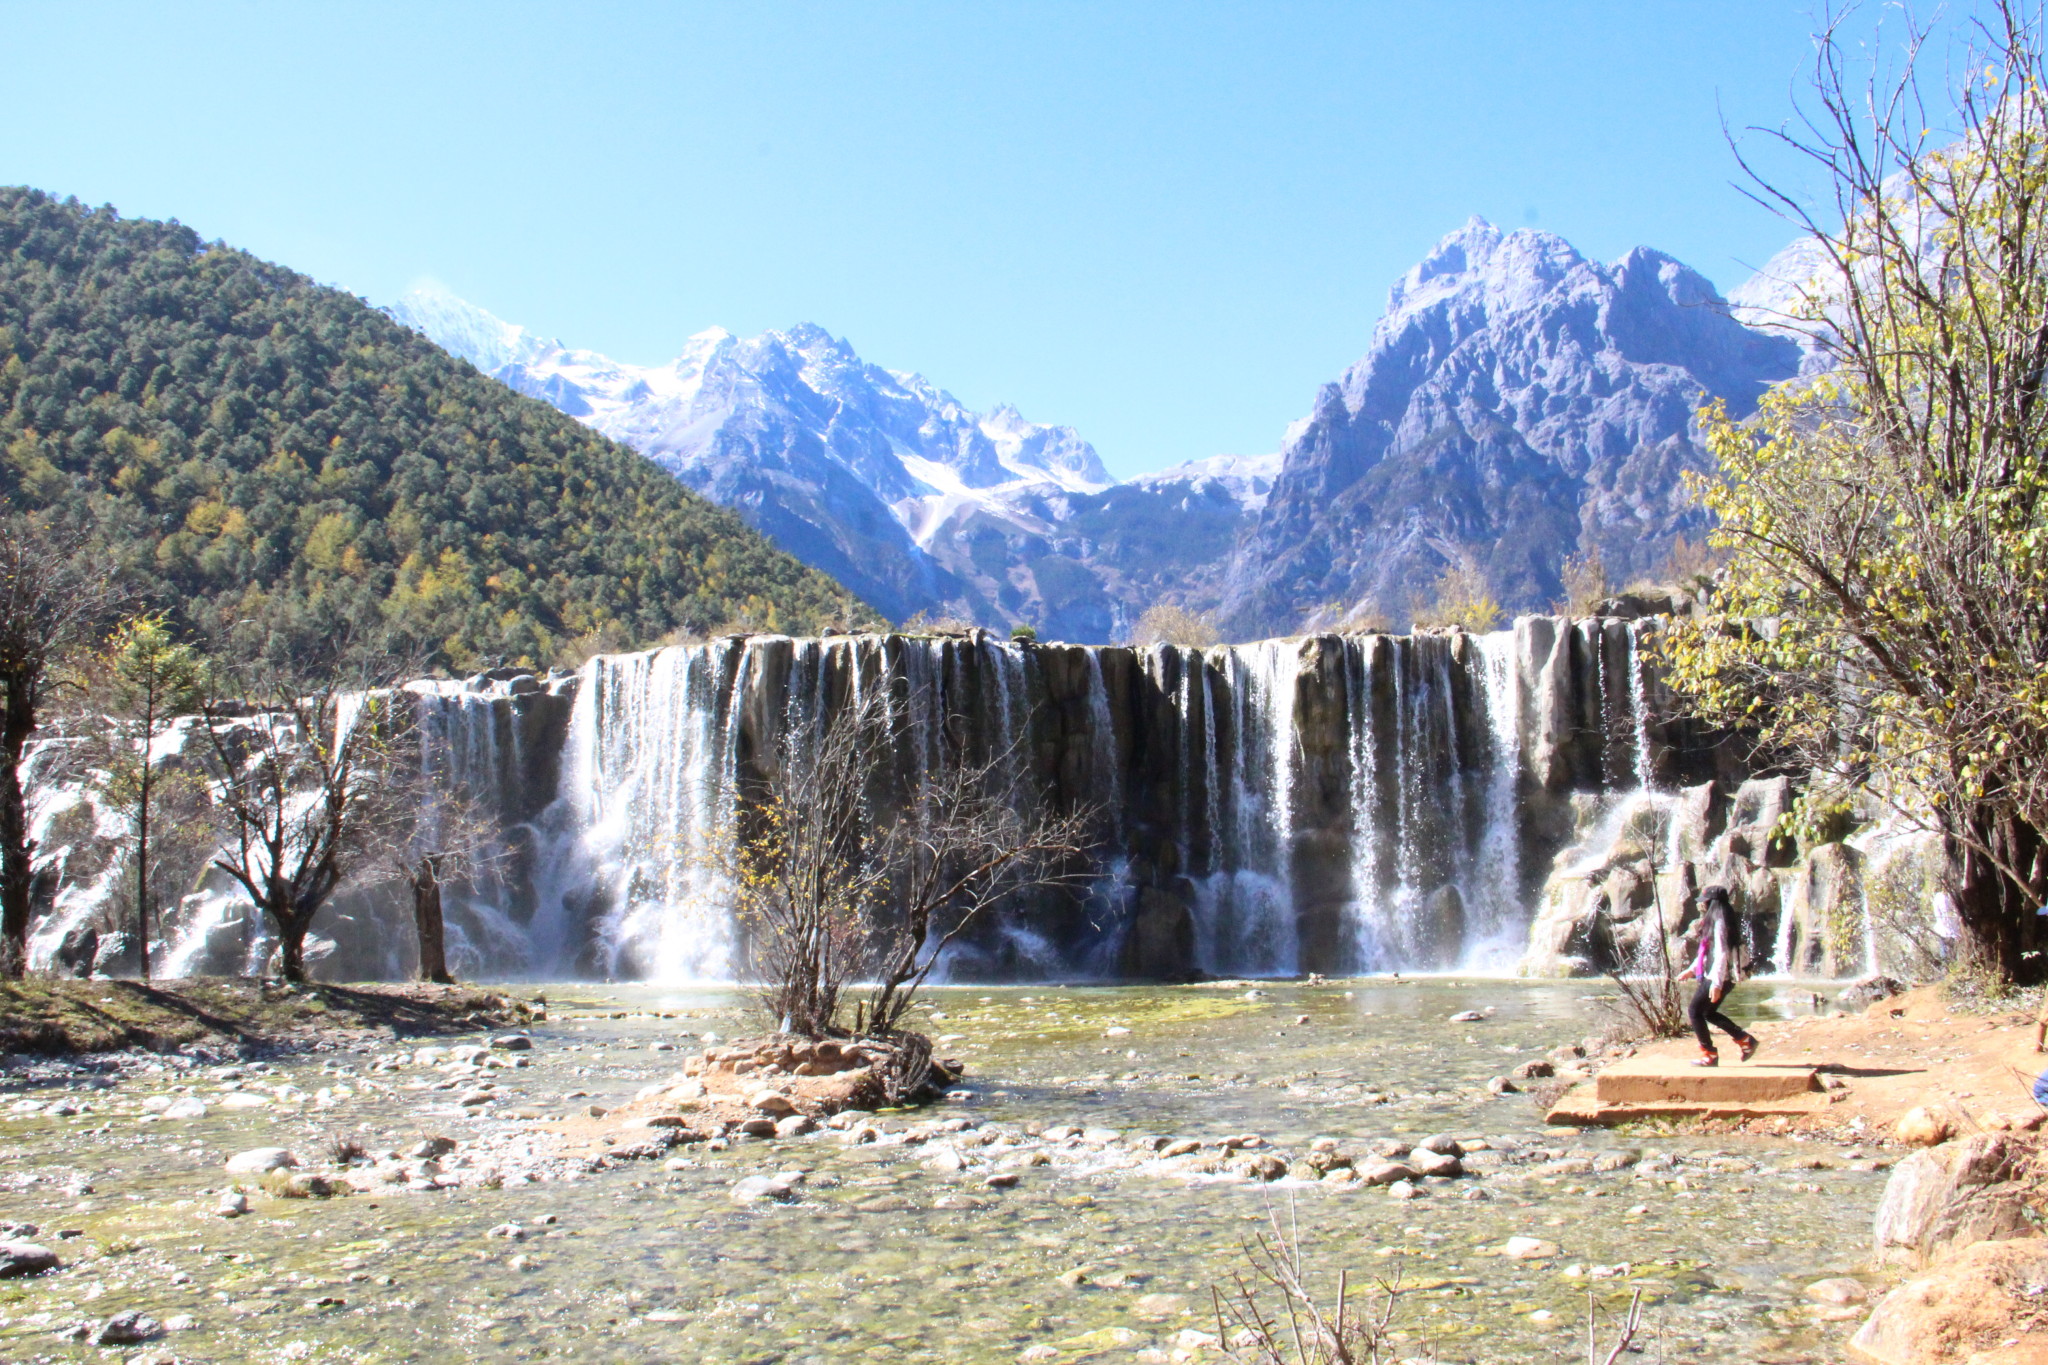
850, 466
459, 326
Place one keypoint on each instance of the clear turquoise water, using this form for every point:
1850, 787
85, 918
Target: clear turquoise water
646, 1264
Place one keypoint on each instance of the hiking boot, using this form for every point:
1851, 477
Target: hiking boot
1748, 1046
1707, 1057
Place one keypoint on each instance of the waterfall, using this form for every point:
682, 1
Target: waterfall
1368, 918
650, 785
1500, 932
1639, 710
1330, 803
1243, 904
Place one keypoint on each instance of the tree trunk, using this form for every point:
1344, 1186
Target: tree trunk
2000, 927
17, 850
426, 914
142, 851
291, 946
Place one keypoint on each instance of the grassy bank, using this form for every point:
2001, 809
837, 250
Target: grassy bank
59, 1016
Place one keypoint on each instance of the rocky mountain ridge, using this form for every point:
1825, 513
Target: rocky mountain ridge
1518, 404
876, 476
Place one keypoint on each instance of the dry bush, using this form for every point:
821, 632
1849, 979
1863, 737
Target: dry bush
1692, 564
1165, 623
835, 887
1901, 909
924, 623
610, 638
1463, 599
340, 1149
1303, 1328
1585, 583
1650, 1001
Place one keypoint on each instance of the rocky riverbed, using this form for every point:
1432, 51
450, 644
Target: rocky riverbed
543, 1194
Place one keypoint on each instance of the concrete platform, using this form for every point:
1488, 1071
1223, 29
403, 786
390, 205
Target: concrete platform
1644, 1087
1651, 1080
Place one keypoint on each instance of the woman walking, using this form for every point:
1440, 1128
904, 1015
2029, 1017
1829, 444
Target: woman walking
1718, 966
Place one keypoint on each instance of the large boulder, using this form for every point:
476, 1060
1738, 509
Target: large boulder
1949, 1196
1925, 1126
1979, 1305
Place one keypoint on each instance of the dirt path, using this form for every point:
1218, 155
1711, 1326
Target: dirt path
1900, 1054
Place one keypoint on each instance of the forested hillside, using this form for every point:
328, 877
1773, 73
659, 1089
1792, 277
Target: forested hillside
284, 465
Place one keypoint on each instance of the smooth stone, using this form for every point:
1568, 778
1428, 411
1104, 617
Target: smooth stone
1924, 1127
18, 1259
261, 1160
888, 1203
1385, 1172
187, 1108
773, 1103
1402, 1189
512, 1042
1528, 1249
1428, 1162
1263, 1167
1839, 1290
756, 1188
131, 1328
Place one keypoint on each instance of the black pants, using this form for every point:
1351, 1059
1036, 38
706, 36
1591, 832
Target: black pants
1703, 1013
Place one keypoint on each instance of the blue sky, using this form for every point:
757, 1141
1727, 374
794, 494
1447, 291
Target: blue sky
1163, 224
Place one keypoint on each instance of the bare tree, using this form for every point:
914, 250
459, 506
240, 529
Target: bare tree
835, 883
955, 852
304, 779
55, 592
436, 833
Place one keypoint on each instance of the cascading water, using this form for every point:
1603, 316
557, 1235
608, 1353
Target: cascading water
1335, 803
1243, 904
1436, 842
648, 783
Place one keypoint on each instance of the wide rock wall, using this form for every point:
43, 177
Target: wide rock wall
1333, 803
1320, 804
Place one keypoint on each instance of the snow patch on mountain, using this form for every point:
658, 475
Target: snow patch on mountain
861, 471
1247, 479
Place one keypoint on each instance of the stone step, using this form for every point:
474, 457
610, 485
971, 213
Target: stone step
1662, 1081
1581, 1108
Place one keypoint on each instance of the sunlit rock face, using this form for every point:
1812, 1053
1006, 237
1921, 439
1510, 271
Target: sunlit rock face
1523, 800
1320, 804
1519, 403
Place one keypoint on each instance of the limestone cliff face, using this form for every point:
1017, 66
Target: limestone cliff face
1319, 804
1326, 803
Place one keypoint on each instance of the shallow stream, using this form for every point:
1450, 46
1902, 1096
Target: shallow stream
884, 1258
